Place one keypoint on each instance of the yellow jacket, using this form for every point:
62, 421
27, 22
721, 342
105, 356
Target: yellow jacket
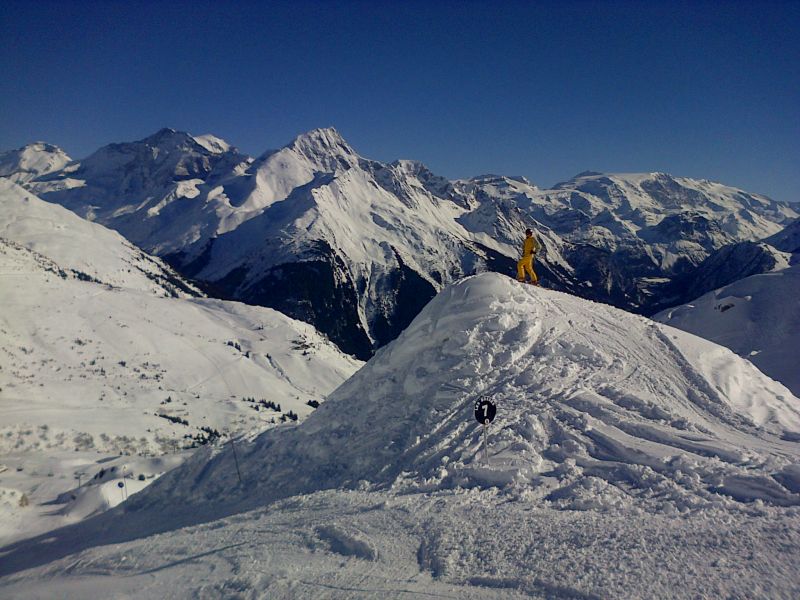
531, 246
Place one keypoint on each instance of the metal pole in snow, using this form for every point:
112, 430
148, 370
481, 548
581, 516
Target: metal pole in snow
236, 460
485, 443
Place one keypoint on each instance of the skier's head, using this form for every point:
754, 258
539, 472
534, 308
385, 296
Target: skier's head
528, 232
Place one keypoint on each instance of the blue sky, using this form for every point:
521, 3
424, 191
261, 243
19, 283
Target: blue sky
544, 89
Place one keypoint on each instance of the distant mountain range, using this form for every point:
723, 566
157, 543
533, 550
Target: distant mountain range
357, 247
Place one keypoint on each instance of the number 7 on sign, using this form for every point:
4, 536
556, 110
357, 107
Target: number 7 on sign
485, 410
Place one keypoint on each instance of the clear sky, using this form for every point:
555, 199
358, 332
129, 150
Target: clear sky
541, 89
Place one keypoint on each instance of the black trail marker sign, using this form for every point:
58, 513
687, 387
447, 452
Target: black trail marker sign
485, 411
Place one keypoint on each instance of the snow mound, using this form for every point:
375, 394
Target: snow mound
597, 408
757, 317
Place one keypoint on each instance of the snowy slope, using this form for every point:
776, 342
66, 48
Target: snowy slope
757, 317
103, 350
72, 346
92, 323
32, 161
588, 396
787, 239
129, 356
722, 267
84, 249
627, 459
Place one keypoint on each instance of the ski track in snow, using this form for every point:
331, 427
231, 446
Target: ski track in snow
473, 544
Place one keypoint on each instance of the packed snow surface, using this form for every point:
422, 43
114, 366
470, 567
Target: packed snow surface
595, 405
757, 317
627, 459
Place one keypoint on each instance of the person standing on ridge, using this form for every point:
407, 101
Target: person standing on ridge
525, 264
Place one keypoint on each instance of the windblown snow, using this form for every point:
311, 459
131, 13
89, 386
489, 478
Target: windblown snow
627, 459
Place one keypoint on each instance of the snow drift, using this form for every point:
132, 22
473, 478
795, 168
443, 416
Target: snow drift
596, 407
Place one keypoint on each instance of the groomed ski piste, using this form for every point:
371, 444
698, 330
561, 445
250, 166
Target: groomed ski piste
628, 459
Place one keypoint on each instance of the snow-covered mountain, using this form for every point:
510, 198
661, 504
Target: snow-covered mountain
682, 220
617, 441
105, 350
92, 323
82, 249
757, 317
145, 189
788, 239
34, 160
357, 247
722, 267
313, 229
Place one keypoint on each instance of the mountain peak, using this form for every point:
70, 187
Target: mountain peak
322, 140
583, 174
40, 147
167, 135
32, 160
212, 143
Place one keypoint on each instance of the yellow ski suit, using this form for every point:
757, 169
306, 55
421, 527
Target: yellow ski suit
525, 264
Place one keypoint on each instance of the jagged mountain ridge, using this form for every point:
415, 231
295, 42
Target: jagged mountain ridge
788, 239
357, 247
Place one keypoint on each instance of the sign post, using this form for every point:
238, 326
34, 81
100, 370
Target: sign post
485, 411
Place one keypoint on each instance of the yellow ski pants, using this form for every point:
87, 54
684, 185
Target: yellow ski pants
525, 265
